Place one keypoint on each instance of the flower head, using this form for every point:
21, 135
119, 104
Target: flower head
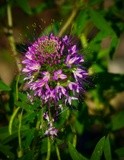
53, 69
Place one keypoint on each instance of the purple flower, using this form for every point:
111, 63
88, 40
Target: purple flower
74, 86
59, 75
54, 73
49, 94
73, 49
46, 76
79, 73
53, 69
69, 99
31, 67
61, 91
51, 131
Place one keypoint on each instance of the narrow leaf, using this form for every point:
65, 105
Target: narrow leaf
107, 149
75, 155
97, 153
100, 21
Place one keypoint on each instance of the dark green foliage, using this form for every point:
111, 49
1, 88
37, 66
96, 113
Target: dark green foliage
82, 124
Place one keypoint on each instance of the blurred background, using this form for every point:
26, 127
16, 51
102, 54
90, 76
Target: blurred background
98, 27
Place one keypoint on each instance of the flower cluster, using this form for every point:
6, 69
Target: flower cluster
53, 69
54, 72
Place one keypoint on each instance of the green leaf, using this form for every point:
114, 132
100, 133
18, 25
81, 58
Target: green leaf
97, 68
120, 152
117, 121
94, 45
97, 153
75, 155
4, 87
29, 118
107, 149
80, 22
100, 21
22, 96
24, 105
24, 5
105, 29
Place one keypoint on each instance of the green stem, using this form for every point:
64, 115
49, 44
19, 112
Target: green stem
20, 152
48, 149
68, 22
12, 118
57, 152
11, 38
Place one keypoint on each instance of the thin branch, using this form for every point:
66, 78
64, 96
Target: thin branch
11, 37
68, 22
